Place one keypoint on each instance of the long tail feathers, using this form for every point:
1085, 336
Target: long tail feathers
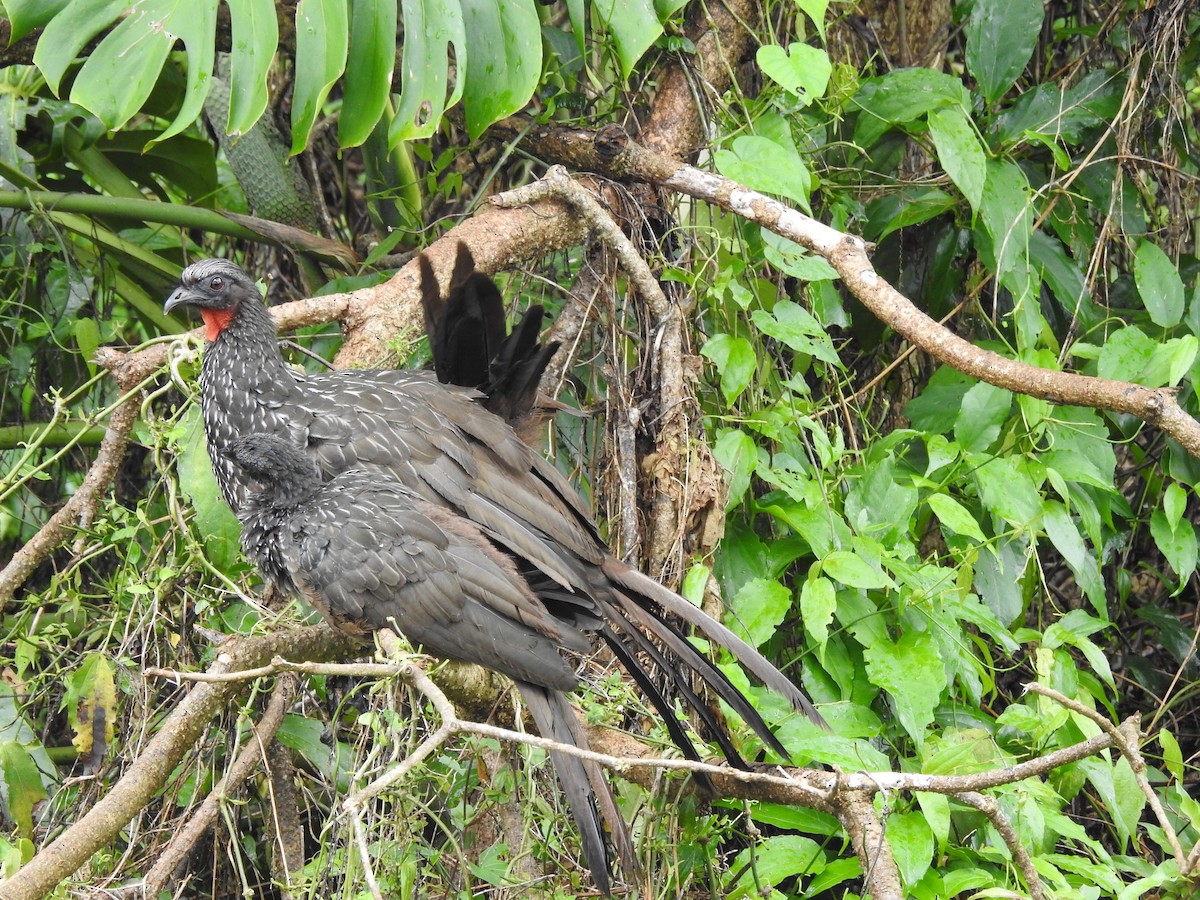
641, 590
588, 791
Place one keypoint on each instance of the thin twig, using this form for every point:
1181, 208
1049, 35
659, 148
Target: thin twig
990, 808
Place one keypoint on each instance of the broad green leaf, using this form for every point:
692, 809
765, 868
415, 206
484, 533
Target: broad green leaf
1130, 801
911, 671
852, 571
368, 69
818, 600
757, 609
634, 27
432, 29
1177, 544
121, 72
1174, 503
1172, 754
1062, 116
763, 165
735, 360
905, 207
911, 840
795, 326
902, 97
26, 15
955, 516
69, 32
87, 339
1126, 354
91, 701
770, 862
959, 152
1061, 275
321, 40
936, 407
736, 452
1066, 538
1007, 491
880, 502
815, 10
255, 35
1001, 36
504, 59
1159, 284
800, 69
985, 408
1005, 216
795, 260
22, 787
218, 527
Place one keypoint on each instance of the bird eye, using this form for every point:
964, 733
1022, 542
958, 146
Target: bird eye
217, 283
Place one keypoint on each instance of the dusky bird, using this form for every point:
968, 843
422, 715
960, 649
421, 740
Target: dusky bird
463, 467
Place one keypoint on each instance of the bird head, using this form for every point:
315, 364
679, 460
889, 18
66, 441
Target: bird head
287, 474
216, 287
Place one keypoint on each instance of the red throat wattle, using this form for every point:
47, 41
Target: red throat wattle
215, 321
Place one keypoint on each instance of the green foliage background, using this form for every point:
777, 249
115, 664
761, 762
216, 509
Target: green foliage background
911, 544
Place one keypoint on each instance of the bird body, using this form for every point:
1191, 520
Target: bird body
432, 511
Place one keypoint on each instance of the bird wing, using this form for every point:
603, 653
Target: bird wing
369, 554
436, 440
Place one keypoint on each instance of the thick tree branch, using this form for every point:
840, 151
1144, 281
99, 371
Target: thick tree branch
611, 153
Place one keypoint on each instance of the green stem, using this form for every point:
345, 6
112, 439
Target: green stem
50, 435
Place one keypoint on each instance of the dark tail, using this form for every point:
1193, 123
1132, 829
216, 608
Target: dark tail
588, 791
470, 347
643, 601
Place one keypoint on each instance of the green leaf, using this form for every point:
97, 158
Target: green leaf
905, 207
985, 409
1125, 355
1172, 754
504, 59
1066, 538
69, 32
852, 571
911, 671
1159, 284
1005, 214
911, 840
1007, 491
736, 452
959, 152
800, 69
432, 28
734, 359
322, 33
901, 97
1001, 36
634, 27
815, 10
255, 36
1177, 544
773, 860
368, 69
955, 516
818, 600
757, 609
218, 527
763, 165
26, 15
22, 788
121, 72
795, 326
1174, 503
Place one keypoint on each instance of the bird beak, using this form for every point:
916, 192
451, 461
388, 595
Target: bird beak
181, 296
